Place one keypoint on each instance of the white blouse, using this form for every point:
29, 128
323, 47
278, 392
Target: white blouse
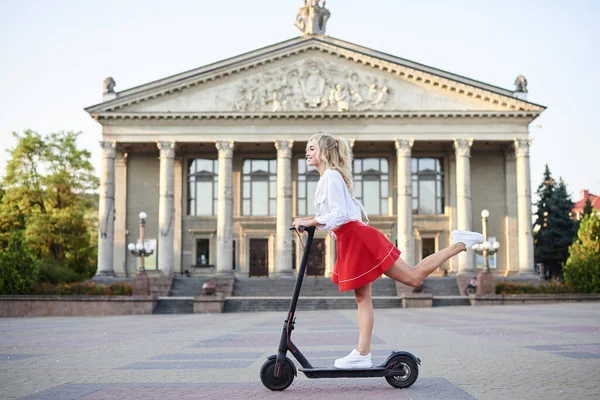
333, 204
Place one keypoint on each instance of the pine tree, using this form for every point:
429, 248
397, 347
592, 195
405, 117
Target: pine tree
588, 209
582, 268
541, 240
561, 229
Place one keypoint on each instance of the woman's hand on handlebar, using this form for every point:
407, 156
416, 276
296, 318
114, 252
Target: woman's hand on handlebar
298, 222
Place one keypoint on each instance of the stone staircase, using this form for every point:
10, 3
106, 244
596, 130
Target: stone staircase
445, 290
180, 298
318, 293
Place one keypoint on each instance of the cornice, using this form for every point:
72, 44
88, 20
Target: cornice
316, 115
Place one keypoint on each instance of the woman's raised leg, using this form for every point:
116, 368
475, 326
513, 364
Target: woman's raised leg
402, 272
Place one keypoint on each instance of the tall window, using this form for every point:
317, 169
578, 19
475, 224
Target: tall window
427, 186
202, 186
307, 185
371, 184
259, 187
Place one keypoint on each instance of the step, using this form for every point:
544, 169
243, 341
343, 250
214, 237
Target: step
310, 287
177, 305
446, 301
305, 303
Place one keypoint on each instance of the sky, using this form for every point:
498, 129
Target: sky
54, 56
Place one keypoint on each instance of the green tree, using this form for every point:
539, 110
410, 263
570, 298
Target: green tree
18, 269
48, 184
588, 209
582, 268
542, 241
561, 229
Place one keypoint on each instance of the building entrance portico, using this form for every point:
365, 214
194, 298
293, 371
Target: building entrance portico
215, 157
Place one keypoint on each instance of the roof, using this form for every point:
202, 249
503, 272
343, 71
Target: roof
406, 69
580, 205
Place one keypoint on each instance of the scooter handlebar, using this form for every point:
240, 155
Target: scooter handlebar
309, 229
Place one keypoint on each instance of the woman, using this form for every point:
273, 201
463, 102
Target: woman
363, 253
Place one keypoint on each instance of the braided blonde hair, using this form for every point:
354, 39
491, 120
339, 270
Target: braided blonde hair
336, 154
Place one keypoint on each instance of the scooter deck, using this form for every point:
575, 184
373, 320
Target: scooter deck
373, 372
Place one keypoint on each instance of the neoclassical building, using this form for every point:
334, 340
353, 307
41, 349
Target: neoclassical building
215, 157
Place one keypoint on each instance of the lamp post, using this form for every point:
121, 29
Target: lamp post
485, 279
141, 282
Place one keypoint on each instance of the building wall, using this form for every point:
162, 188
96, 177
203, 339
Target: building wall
488, 191
142, 195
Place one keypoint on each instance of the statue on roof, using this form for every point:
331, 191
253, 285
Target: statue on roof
521, 84
108, 86
312, 18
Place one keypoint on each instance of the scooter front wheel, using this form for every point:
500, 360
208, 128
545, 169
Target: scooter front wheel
286, 375
407, 372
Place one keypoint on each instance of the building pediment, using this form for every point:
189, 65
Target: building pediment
312, 77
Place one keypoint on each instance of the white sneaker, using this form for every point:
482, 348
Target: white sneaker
467, 237
354, 360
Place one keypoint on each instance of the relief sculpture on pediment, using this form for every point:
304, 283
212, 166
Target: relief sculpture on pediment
313, 85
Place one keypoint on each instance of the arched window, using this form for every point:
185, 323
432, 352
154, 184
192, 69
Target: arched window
371, 184
202, 186
259, 191
427, 186
307, 185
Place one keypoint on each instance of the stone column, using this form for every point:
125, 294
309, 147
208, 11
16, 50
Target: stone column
462, 147
225, 208
166, 211
406, 242
106, 210
178, 206
283, 241
526, 266
511, 237
120, 241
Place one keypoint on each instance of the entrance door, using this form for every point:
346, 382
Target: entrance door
259, 257
316, 259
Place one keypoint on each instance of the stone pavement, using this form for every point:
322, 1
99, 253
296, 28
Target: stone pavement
499, 352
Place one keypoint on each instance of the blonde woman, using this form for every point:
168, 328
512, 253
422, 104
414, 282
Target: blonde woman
363, 253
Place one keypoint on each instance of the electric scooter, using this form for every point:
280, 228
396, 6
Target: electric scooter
400, 369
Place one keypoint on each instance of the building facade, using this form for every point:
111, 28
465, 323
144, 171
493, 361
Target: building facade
215, 157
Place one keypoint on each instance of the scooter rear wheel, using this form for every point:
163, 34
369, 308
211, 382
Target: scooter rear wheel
285, 379
408, 372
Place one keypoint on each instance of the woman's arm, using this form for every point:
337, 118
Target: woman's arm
336, 202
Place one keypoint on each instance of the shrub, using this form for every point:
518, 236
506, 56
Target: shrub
505, 287
89, 289
121, 289
83, 289
582, 268
18, 269
43, 288
54, 272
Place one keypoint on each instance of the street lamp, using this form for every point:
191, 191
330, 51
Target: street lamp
141, 282
485, 279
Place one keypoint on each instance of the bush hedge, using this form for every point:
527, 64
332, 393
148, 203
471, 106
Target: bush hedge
504, 287
83, 289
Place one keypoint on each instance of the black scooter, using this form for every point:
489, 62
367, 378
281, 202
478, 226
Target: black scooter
400, 369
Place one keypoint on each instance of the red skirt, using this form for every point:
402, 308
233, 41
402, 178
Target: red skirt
363, 255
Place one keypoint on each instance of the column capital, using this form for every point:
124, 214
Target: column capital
109, 148
167, 148
284, 148
225, 147
462, 147
404, 147
522, 147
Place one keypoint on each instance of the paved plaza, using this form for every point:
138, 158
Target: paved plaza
499, 352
